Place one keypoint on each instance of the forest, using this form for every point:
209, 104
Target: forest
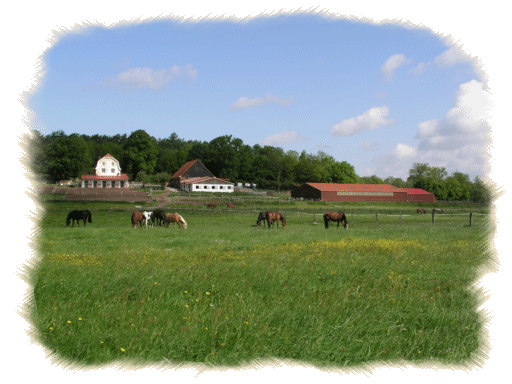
58, 156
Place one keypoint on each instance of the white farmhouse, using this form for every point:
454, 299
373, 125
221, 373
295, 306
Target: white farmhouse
108, 175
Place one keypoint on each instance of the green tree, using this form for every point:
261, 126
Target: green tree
68, 157
140, 153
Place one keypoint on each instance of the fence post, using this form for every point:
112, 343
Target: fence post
470, 219
376, 219
400, 216
433, 214
352, 217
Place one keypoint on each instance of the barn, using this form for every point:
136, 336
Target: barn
193, 176
359, 192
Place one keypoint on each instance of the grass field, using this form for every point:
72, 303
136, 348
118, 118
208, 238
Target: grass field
225, 292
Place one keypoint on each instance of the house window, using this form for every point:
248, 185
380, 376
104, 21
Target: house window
102, 170
229, 187
205, 187
197, 186
112, 170
213, 186
221, 187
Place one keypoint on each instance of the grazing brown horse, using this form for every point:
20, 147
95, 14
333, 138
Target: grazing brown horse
175, 218
275, 216
261, 217
158, 216
335, 216
137, 218
210, 205
421, 210
230, 205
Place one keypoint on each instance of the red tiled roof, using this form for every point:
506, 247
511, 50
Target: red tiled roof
192, 180
184, 168
355, 187
416, 191
123, 176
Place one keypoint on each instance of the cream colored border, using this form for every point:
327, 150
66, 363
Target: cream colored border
31, 28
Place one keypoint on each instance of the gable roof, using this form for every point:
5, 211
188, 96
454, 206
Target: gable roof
186, 167
194, 180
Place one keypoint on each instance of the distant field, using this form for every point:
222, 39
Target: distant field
226, 292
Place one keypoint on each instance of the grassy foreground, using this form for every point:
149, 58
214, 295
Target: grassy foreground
226, 292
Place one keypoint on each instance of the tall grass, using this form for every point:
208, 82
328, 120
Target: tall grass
226, 292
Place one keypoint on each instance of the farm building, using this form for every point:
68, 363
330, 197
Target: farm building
360, 192
193, 176
108, 175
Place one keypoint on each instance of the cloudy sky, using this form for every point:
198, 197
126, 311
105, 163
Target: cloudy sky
379, 97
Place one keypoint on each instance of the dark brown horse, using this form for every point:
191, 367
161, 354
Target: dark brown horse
137, 218
261, 217
335, 216
175, 218
210, 205
421, 210
76, 215
158, 216
275, 216
230, 205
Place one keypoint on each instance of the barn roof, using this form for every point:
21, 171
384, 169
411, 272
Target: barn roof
192, 180
325, 187
186, 167
416, 191
123, 176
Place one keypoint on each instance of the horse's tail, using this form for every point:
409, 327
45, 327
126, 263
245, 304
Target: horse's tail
89, 219
326, 221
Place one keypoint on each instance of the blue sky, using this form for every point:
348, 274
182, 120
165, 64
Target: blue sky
378, 97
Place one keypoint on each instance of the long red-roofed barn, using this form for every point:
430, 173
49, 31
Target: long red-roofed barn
193, 176
360, 192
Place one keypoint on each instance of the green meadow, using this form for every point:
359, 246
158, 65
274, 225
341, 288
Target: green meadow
225, 292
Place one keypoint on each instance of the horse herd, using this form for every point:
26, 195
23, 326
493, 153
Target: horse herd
158, 216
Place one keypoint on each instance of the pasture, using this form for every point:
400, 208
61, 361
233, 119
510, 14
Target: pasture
226, 292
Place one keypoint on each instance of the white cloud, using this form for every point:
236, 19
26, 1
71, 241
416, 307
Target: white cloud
244, 102
148, 78
283, 138
449, 58
392, 64
369, 145
368, 121
457, 142
419, 69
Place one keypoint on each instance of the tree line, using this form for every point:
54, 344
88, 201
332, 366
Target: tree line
144, 158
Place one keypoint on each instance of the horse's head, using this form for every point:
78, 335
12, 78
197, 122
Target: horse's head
68, 221
284, 223
345, 225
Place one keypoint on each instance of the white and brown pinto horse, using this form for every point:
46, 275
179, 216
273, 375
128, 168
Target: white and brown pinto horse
335, 216
148, 216
137, 219
176, 219
275, 216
